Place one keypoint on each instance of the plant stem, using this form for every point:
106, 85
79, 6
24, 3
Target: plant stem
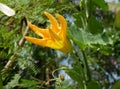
1, 85
87, 67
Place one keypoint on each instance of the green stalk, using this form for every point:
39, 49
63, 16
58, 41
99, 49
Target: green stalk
87, 67
1, 85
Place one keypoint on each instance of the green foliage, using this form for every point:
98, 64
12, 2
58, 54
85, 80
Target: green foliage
116, 85
80, 19
77, 75
31, 84
94, 26
86, 39
93, 85
101, 3
14, 82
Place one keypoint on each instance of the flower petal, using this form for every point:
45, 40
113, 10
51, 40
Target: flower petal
53, 21
63, 25
67, 46
39, 31
53, 35
43, 42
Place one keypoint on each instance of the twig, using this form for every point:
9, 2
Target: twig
44, 83
20, 44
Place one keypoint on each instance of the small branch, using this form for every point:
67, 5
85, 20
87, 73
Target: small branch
22, 41
10, 62
47, 74
49, 81
20, 44
44, 83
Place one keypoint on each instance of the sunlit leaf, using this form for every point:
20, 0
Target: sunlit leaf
85, 39
14, 82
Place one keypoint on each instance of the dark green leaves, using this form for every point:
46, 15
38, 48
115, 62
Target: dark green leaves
93, 85
94, 26
77, 75
101, 3
30, 84
80, 19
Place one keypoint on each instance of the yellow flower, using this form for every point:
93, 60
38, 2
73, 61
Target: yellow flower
54, 36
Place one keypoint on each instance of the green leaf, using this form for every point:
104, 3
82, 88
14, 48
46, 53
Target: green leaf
94, 26
79, 19
101, 3
85, 39
14, 82
31, 84
76, 36
77, 75
116, 85
106, 50
93, 85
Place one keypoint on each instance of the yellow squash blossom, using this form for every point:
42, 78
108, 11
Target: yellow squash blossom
54, 36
